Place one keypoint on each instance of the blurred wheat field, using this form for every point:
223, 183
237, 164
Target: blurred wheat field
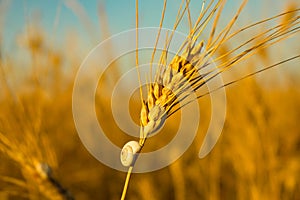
42, 157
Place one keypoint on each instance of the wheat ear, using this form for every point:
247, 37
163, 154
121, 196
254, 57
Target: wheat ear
187, 72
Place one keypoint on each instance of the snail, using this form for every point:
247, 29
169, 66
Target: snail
129, 152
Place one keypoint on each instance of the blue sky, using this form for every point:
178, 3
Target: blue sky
56, 17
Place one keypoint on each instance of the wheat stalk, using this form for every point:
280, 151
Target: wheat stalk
34, 170
187, 72
188, 65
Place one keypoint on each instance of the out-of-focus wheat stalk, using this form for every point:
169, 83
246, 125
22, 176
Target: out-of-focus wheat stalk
21, 137
35, 172
32, 153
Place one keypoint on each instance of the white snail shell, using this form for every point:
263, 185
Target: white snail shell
128, 153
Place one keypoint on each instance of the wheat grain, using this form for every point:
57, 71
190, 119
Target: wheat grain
187, 69
187, 72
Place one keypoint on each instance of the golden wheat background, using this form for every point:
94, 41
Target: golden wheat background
41, 156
